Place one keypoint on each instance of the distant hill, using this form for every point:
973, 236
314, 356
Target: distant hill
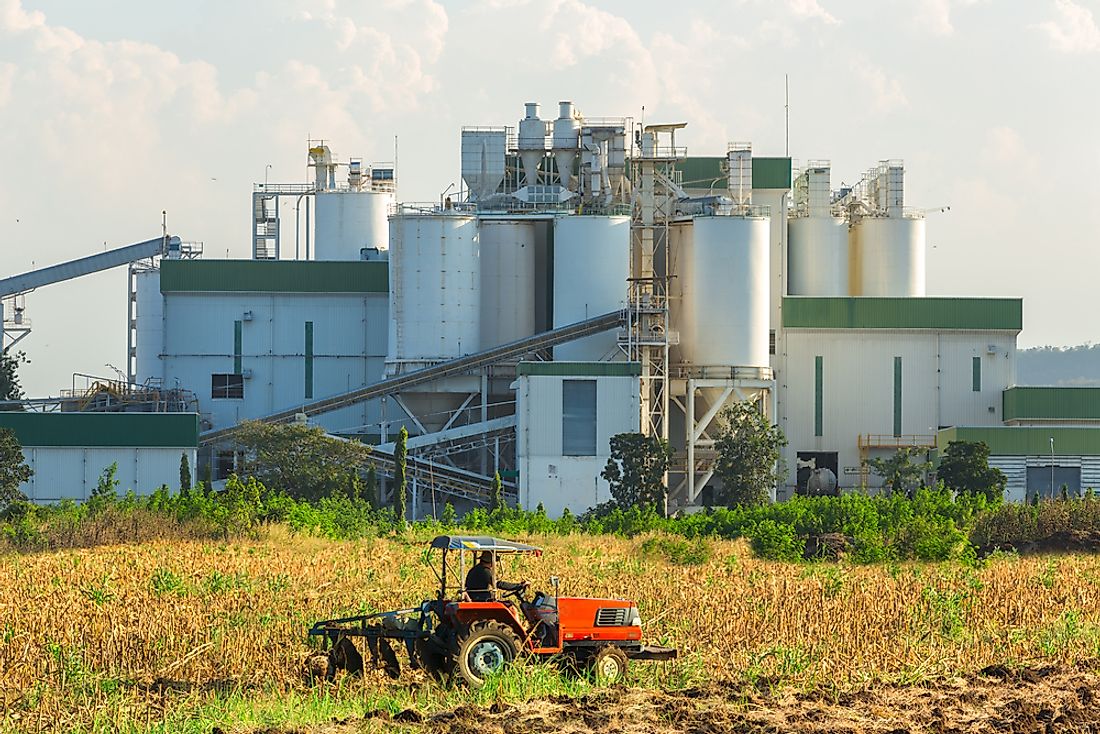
1065, 366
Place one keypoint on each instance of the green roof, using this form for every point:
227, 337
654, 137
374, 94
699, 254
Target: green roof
580, 369
274, 276
1051, 403
1026, 440
960, 314
705, 172
175, 430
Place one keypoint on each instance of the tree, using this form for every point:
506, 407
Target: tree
965, 469
302, 461
748, 447
901, 472
400, 453
9, 378
636, 470
185, 476
496, 494
371, 486
13, 469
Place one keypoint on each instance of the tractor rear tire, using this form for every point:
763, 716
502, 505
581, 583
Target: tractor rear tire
608, 665
485, 649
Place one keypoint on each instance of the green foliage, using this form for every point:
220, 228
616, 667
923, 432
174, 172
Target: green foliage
299, 460
185, 475
13, 469
9, 377
449, 518
496, 494
775, 542
965, 469
400, 453
678, 551
370, 486
901, 472
105, 492
636, 470
748, 448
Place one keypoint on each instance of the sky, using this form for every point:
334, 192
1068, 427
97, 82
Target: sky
114, 111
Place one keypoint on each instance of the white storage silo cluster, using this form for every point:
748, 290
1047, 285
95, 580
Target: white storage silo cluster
348, 222
507, 280
817, 243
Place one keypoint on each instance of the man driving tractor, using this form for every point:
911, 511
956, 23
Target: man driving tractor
480, 580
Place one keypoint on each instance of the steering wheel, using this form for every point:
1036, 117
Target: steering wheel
518, 593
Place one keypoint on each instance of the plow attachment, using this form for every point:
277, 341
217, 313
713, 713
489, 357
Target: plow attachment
379, 632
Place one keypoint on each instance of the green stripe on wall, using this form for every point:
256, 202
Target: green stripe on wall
977, 374
174, 430
309, 359
897, 396
238, 346
580, 369
819, 418
956, 314
275, 276
1051, 403
1026, 440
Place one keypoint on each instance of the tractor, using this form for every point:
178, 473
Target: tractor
453, 638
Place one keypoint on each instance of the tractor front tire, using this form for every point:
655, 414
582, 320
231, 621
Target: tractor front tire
608, 665
485, 649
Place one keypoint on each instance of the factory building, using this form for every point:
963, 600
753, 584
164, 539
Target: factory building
588, 277
69, 451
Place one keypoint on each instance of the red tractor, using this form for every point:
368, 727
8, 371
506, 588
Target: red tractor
451, 636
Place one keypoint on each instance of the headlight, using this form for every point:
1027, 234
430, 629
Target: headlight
635, 618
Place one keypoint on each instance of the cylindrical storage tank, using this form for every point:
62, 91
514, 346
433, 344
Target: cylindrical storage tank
817, 256
890, 256
724, 268
347, 222
591, 267
679, 244
435, 278
149, 337
507, 280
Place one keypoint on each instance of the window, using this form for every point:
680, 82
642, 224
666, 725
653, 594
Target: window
224, 465
819, 397
976, 368
771, 342
227, 387
578, 418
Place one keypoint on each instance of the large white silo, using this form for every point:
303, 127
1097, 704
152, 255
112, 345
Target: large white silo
149, 337
723, 270
888, 257
817, 256
507, 280
591, 267
435, 279
346, 222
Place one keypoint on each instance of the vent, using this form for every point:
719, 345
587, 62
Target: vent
609, 617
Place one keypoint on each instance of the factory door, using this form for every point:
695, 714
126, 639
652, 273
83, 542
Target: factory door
807, 461
1038, 481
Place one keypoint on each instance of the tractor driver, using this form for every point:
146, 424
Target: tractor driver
480, 580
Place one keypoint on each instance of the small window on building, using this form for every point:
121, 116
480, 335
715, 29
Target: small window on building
976, 369
227, 387
771, 342
578, 418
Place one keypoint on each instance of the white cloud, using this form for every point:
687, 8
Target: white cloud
1073, 30
811, 10
886, 92
1005, 148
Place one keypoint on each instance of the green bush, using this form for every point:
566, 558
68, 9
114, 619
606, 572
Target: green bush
775, 542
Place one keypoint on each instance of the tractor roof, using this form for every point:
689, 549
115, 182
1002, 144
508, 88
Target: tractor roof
481, 543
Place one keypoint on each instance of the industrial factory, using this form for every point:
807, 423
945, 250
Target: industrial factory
590, 277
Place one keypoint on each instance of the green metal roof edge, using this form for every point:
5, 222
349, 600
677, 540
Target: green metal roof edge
145, 430
1026, 440
579, 369
274, 276
960, 314
1054, 403
699, 172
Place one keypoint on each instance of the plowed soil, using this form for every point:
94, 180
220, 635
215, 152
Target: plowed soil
995, 700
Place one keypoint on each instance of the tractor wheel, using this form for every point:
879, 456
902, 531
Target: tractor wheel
432, 659
485, 649
608, 665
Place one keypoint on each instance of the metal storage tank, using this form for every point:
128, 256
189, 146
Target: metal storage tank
507, 280
346, 222
888, 256
591, 267
723, 272
817, 256
149, 337
435, 278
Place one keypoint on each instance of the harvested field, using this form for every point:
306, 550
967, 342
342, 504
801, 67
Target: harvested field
185, 636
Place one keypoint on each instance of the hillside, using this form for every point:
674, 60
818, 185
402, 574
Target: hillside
1065, 366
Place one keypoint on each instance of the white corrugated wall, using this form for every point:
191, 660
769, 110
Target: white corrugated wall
73, 472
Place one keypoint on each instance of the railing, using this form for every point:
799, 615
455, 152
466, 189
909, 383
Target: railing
705, 372
889, 441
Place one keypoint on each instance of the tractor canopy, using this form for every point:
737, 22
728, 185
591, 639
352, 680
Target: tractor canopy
477, 543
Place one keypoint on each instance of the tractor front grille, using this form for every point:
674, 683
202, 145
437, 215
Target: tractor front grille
611, 617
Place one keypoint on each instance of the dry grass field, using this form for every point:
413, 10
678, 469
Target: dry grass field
201, 636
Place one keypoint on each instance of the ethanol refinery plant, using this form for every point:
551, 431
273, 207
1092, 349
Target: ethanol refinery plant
588, 278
